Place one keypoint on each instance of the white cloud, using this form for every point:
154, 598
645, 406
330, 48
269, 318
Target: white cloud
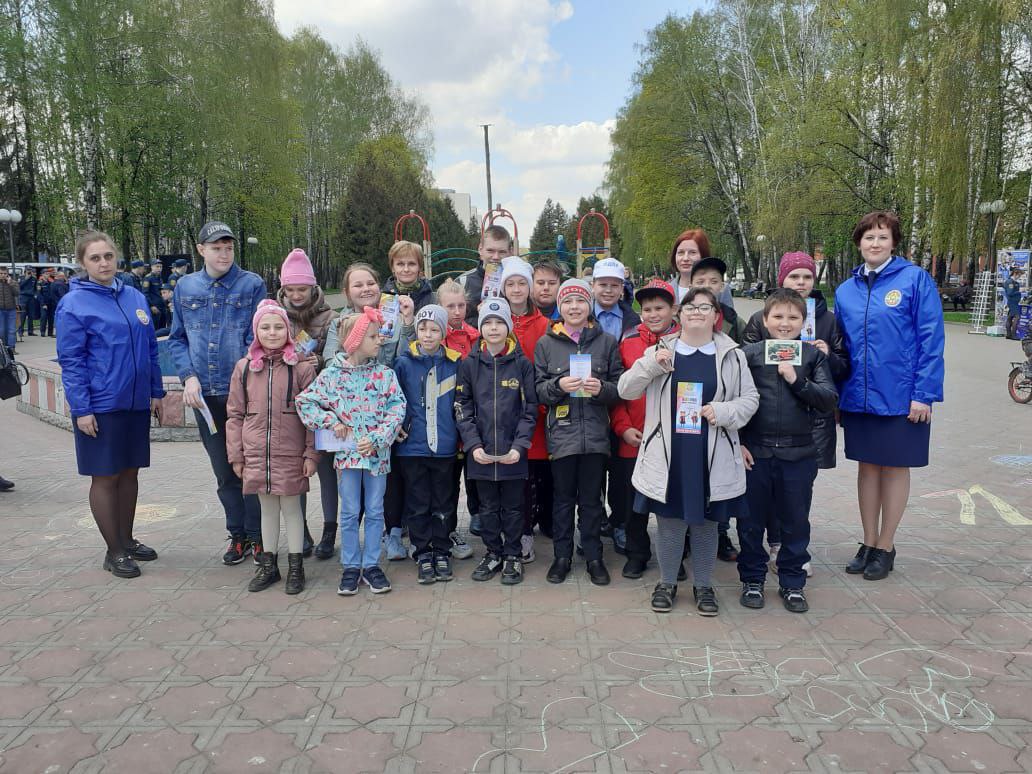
476, 62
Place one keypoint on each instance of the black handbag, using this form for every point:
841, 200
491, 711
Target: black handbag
10, 381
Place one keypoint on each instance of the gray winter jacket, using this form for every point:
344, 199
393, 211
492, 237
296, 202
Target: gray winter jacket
577, 425
734, 403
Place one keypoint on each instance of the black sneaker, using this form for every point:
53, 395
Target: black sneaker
442, 568
349, 582
425, 570
256, 549
512, 571
489, 566
794, 599
752, 595
239, 548
705, 601
726, 551
376, 580
663, 597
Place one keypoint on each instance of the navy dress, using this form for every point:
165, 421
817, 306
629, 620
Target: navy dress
688, 483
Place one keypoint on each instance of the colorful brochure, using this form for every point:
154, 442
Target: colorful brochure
304, 344
492, 282
389, 310
688, 418
810, 326
778, 351
580, 368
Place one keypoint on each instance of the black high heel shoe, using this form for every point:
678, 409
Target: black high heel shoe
880, 563
859, 562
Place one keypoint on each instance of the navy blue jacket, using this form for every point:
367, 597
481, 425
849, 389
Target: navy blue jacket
430, 402
27, 288
211, 325
893, 331
496, 409
107, 350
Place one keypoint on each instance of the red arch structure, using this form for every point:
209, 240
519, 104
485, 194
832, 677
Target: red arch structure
599, 252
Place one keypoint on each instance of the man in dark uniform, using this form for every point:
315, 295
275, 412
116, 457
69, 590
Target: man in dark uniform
1012, 295
163, 323
27, 300
180, 267
150, 286
139, 268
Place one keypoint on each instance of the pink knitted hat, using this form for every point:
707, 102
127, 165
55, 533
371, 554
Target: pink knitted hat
792, 261
256, 351
297, 269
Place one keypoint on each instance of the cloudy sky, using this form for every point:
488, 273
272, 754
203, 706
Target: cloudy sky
549, 75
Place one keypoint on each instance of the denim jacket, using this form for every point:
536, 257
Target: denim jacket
211, 325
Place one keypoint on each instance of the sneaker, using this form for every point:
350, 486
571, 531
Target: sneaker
460, 549
442, 568
376, 580
527, 549
705, 601
256, 550
663, 597
239, 548
474, 525
726, 551
794, 599
512, 571
620, 540
349, 582
752, 595
395, 548
489, 567
425, 570
808, 569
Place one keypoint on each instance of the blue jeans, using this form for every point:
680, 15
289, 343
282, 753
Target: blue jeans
8, 330
353, 484
781, 491
243, 512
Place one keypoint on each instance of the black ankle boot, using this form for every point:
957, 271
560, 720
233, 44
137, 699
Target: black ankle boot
859, 562
880, 563
329, 534
295, 574
267, 572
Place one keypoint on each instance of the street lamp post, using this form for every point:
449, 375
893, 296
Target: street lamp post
10, 217
993, 210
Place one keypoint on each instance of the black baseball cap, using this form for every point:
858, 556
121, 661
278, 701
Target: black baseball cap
213, 232
710, 263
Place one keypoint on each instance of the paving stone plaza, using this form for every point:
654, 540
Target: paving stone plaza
182, 670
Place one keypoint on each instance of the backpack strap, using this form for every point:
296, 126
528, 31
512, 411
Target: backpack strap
243, 381
290, 383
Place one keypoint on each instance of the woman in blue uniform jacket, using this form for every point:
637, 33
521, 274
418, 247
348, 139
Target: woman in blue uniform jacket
112, 382
891, 321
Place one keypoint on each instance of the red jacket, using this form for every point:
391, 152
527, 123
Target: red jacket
461, 339
527, 329
631, 413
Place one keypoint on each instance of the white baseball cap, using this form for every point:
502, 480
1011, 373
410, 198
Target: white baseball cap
608, 267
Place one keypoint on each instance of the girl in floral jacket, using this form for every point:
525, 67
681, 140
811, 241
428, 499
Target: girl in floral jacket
360, 401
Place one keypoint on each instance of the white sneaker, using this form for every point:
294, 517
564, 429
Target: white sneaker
527, 547
460, 548
808, 569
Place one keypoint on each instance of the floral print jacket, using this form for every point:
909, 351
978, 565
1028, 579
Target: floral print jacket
366, 399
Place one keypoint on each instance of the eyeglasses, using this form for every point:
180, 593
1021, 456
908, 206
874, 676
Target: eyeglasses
704, 308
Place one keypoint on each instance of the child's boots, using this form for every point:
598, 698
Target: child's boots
295, 574
267, 572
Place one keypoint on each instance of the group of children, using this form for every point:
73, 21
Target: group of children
525, 405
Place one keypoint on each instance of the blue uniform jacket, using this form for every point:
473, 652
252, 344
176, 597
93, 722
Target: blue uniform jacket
893, 332
106, 348
211, 325
428, 382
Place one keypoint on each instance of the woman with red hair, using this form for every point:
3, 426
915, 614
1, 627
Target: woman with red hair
690, 247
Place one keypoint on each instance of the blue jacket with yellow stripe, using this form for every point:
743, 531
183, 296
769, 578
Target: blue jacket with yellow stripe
496, 409
428, 382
